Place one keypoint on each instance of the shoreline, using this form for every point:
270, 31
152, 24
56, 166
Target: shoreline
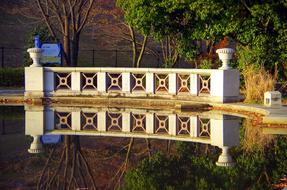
269, 115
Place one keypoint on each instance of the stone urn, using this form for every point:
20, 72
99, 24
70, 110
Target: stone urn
225, 159
36, 146
225, 55
35, 54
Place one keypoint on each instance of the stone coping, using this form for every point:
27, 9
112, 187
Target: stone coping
271, 115
132, 70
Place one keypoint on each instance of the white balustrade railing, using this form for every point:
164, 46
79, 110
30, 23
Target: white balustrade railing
214, 129
215, 85
196, 127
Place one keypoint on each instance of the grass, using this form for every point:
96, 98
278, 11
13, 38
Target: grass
256, 82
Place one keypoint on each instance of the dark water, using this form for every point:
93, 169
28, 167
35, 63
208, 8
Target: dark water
113, 148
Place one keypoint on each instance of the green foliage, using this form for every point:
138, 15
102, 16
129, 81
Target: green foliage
146, 176
12, 77
193, 168
45, 37
206, 64
258, 27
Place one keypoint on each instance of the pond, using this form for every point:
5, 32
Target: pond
116, 148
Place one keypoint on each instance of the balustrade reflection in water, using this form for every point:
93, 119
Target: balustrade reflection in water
207, 128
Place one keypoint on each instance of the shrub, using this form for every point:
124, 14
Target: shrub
256, 82
12, 77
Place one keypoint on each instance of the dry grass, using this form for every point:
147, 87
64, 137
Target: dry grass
257, 81
254, 138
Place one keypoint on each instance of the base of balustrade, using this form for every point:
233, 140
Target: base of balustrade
205, 98
127, 102
34, 94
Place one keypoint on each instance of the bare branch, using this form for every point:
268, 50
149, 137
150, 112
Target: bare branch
46, 19
91, 2
57, 13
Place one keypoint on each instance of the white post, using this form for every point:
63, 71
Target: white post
102, 82
150, 123
172, 124
194, 84
194, 126
224, 131
101, 120
150, 83
34, 126
76, 120
172, 85
126, 122
224, 85
126, 78
34, 120
76, 83
34, 81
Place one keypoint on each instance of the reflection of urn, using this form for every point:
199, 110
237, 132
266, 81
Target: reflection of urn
225, 159
36, 145
35, 54
225, 55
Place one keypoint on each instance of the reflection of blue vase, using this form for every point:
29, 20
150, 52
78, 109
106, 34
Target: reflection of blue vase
51, 139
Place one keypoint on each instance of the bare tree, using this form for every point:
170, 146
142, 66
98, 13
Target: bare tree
123, 35
66, 21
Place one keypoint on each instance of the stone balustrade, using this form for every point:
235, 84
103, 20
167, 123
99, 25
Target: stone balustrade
212, 85
214, 129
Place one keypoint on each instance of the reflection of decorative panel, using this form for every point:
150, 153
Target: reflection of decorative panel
89, 121
62, 81
114, 81
161, 81
204, 84
63, 120
89, 81
138, 123
161, 124
183, 125
204, 127
138, 82
114, 121
183, 83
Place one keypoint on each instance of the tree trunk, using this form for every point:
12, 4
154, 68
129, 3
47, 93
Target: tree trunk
141, 52
66, 42
134, 45
75, 50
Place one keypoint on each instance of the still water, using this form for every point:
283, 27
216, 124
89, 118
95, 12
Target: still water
113, 148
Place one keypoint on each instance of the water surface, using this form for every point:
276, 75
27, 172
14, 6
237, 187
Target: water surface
110, 148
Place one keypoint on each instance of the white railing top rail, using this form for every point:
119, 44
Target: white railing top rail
130, 70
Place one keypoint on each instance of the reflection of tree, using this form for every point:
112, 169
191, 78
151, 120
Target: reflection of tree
118, 176
71, 171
